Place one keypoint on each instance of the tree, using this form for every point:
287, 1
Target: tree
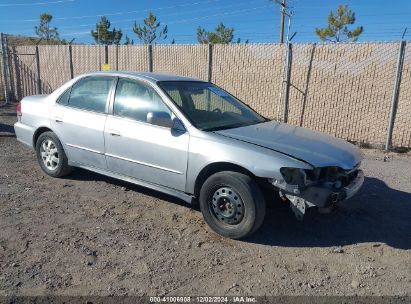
44, 30
151, 31
128, 41
103, 34
222, 35
337, 29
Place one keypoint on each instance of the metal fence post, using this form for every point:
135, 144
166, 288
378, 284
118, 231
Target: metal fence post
117, 57
106, 54
287, 77
210, 62
395, 95
10, 79
38, 70
71, 61
150, 58
4, 61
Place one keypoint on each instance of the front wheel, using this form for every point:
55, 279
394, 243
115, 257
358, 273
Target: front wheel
232, 204
51, 156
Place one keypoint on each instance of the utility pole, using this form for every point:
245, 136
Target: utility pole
283, 13
403, 34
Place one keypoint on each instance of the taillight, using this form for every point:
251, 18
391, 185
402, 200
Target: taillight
19, 111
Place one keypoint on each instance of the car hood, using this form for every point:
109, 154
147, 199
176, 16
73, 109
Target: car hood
317, 149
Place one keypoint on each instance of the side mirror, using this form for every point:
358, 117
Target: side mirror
162, 119
178, 125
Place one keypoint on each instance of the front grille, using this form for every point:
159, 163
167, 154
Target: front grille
337, 178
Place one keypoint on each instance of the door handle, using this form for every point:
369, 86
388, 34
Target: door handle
114, 133
58, 119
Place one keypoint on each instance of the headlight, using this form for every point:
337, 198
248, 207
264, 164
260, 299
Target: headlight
294, 176
294, 179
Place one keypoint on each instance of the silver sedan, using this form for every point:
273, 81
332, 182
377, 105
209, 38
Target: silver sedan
190, 139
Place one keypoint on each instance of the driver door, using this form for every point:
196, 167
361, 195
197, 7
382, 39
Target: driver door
141, 150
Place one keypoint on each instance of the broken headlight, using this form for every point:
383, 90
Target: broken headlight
294, 176
294, 179
336, 178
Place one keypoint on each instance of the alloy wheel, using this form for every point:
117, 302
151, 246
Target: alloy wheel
49, 154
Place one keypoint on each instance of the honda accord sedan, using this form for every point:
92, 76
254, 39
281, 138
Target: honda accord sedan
190, 139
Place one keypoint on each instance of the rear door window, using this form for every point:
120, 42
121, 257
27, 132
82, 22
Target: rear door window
91, 94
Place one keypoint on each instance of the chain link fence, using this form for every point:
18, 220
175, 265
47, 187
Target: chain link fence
24, 77
3, 70
184, 60
345, 89
128, 57
402, 127
253, 73
2, 84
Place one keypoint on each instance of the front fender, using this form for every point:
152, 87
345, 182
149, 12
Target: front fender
260, 161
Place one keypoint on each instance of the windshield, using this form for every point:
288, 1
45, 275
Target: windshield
208, 107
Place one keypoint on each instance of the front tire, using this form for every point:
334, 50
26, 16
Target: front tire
232, 204
51, 156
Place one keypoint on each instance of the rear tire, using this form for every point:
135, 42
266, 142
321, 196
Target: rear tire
51, 156
232, 204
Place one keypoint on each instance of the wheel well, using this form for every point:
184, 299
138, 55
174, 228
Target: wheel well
38, 132
210, 169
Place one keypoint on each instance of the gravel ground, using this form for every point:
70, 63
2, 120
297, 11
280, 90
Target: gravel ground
88, 234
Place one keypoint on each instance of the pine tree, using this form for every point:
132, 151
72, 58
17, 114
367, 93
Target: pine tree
151, 31
337, 29
44, 30
221, 35
128, 41
103, 34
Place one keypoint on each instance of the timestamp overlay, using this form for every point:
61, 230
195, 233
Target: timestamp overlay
205, 299
283, 299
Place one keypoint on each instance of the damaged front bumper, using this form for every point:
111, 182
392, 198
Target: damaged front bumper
354, 186
323, 197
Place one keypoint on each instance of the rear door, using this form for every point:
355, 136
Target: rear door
78, 119
141, 150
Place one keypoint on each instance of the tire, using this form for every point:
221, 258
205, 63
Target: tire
220, 198
51, 156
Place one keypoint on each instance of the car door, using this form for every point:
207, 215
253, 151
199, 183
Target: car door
141, 150
78, 119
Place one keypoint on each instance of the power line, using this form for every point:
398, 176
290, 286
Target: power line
166, 15
116, 13
35, 3
238, 12
246, 11
397, 30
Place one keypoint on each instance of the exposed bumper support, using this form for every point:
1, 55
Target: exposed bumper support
323, 197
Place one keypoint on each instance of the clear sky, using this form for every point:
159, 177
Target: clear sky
256, 20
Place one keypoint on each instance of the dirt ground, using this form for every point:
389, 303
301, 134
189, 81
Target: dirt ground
88, 234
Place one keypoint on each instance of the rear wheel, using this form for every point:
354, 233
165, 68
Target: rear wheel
51, 156
232, 204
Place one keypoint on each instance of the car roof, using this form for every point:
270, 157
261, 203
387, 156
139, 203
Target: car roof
153, 77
